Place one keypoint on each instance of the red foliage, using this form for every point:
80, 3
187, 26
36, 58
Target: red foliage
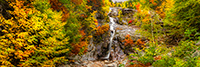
130, 21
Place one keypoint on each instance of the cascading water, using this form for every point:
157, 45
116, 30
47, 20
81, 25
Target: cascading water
113, 12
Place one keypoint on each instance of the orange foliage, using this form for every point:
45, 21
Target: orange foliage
83, 15
78, 46
157, 58
82, 34
139, 42
102, 29
138, 7
128, 40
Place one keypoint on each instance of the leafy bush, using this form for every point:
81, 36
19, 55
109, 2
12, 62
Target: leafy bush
186, 48
182, 17
102, 29
166, 61
146, 59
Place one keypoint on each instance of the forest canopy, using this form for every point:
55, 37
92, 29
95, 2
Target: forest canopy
48, 32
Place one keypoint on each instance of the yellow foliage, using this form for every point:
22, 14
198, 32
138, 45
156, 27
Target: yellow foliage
32, 33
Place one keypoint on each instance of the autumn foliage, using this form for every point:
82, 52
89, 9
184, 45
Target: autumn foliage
102, 29
32, 37
39, 34
56, 5
128, 41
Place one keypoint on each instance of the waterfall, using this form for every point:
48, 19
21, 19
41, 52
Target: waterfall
112, 30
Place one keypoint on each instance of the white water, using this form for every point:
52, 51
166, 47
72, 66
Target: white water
112, 32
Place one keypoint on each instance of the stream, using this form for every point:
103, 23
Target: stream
110, 51
112, 32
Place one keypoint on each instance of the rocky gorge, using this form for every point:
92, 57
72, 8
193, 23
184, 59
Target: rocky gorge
109, 50
99, 33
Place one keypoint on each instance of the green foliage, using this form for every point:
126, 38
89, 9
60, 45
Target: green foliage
167, 22
121, 65
186, 48
179, 56
79, 22
176, 62
166, 61
146, 59
41, 6
184, 16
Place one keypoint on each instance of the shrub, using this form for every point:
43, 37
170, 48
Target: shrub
102, 29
